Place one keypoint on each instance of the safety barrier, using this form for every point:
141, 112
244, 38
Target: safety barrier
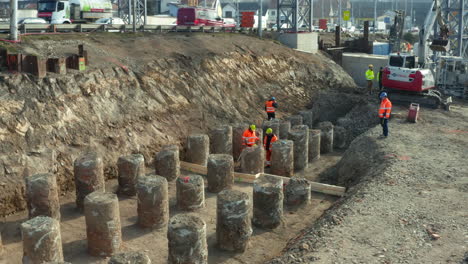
40, 28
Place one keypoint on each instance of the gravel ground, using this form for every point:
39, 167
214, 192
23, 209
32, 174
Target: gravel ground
407, 200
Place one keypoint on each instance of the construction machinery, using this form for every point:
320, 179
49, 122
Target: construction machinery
411, 79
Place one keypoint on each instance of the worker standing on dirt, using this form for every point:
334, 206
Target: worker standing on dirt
250, 138
270, 108
268, 140
379, 78
370, 78
384, 113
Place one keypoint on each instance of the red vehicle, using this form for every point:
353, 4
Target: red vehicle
197, 16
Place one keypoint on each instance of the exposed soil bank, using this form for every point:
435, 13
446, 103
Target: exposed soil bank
175, 85
404, 193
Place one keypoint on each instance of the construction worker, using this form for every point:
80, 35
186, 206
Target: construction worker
384, 113
370, 78
270, 108
268, 140
250, 138
379, 78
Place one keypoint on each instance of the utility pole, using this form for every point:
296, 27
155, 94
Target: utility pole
130, 11
260, 12
238, 13
14, 20
375, 15
321, 4
339, 13
146, 14
134, 20
311, 16
412, 15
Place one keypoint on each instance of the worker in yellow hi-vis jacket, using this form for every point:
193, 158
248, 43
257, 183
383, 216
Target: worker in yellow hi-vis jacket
370, 78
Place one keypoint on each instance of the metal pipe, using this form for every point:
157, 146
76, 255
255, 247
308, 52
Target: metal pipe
146, 13
238, 13
14, 20
296, 16
130, 12
311, 15
461, 30
278, 19
134, 15
323, 13
340, 13
260, 13
375, 15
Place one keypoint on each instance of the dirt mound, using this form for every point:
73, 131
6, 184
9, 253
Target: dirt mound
406, 201
141, 93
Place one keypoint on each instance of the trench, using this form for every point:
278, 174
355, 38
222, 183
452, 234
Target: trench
349, 111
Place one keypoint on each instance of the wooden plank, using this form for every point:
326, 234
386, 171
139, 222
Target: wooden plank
195, 168
316, 186
199, 169
243, 177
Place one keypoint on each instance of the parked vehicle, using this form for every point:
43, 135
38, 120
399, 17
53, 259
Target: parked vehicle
197, 16
31, 20
317, 29
110, 21
74, 11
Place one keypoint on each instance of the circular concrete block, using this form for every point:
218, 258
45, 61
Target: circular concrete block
267, 202
221, 140
282, 158
314, 144
186, 235
42, 196
103, 229
153, 201
130, 168
167, 162
42, 241
220, 172
190, 192
233, 223
89, 176
198, 149
299, 135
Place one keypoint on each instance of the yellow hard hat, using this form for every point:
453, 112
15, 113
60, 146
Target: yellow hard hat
253, 127
269, 130
371, 66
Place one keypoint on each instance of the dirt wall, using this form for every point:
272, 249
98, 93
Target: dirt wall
46, 123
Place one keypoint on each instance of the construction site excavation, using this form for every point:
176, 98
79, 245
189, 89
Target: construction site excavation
219, 148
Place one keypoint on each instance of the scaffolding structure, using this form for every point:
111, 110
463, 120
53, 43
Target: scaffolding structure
127, 11
294, 15
455, 14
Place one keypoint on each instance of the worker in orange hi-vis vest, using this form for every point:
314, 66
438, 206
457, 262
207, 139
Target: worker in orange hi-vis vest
250, 138
270, 108
384, 113
268, 141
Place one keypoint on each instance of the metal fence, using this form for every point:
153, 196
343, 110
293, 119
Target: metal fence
62, 28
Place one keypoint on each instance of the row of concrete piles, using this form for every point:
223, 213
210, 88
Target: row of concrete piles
298, 145
42, 238
41, 234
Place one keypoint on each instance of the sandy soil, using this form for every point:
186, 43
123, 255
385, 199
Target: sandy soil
264, 244
407, 200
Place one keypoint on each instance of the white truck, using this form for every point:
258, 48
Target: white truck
73, 11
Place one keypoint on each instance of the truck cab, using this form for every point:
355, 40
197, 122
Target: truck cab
402, 74
54, 12
76, 11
